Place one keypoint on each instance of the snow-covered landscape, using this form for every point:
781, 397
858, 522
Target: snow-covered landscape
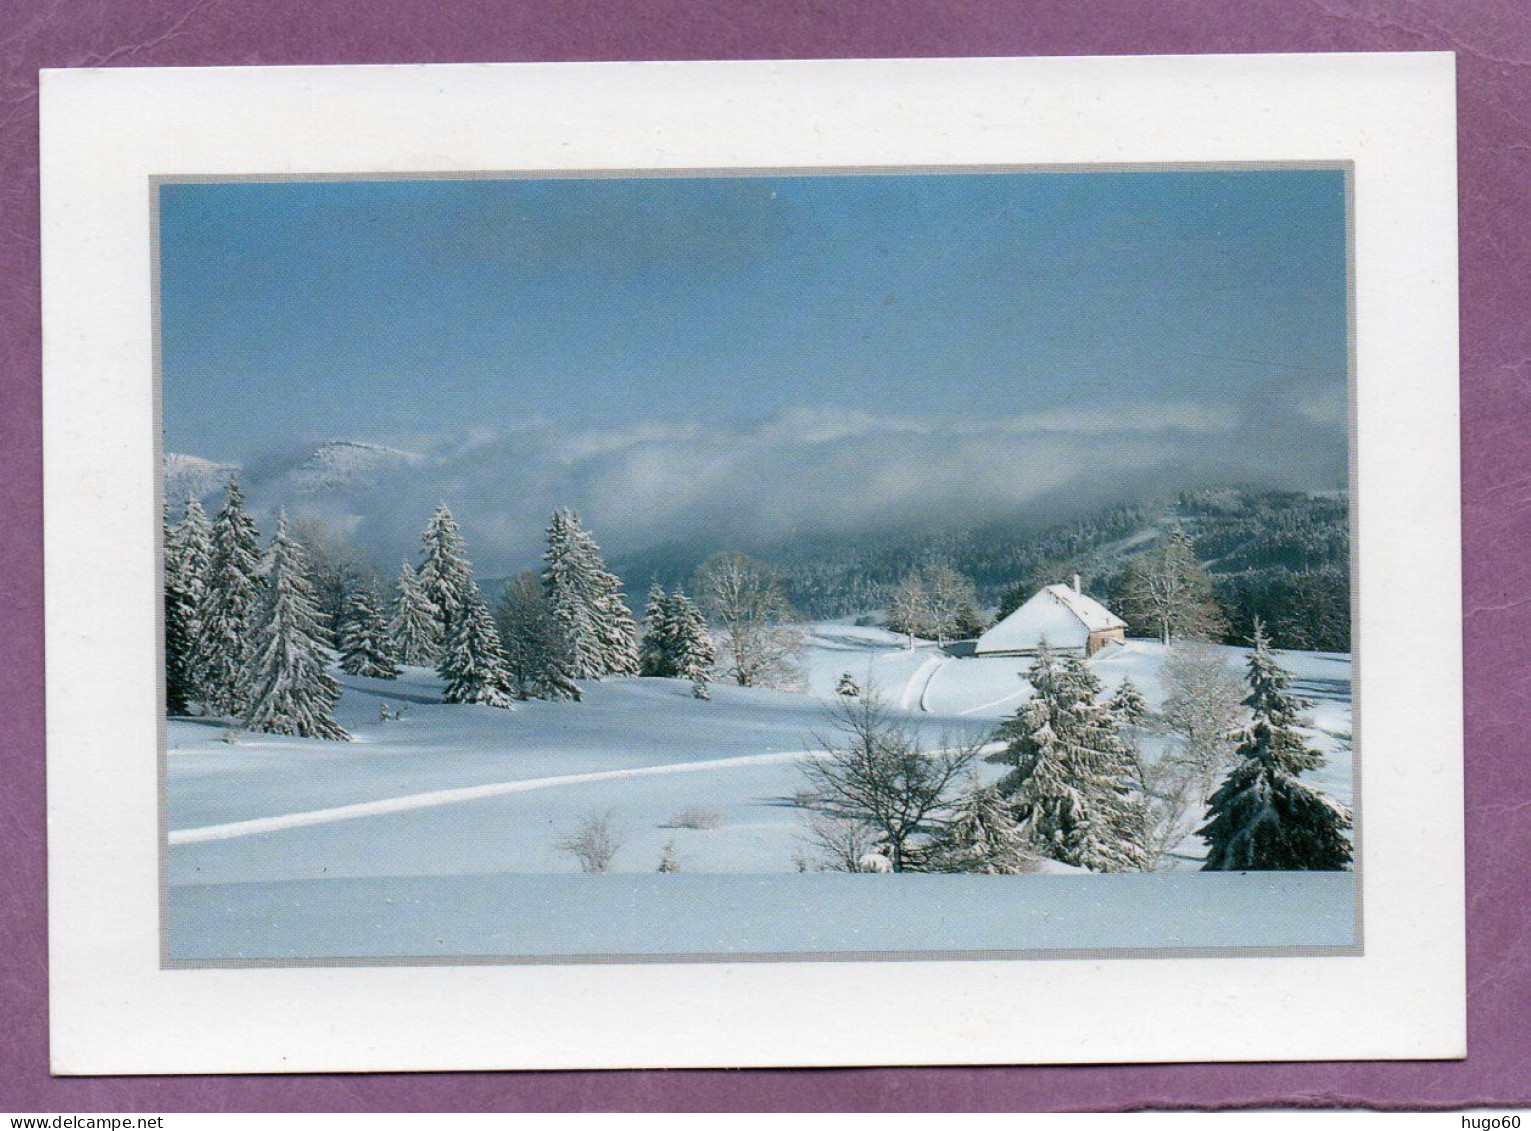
436, 833
899, 563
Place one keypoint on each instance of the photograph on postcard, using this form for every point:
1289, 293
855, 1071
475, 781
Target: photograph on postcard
877, 563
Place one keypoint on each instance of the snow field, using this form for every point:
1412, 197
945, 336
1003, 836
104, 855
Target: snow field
453, 805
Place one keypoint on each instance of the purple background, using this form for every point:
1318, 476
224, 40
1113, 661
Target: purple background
1493, 42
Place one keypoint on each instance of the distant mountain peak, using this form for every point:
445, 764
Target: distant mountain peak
188, 476
338, 464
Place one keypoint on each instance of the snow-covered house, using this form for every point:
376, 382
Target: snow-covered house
1064, 615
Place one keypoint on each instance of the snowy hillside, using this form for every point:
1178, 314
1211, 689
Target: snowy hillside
193, 477
339, 465
437, 833
333, 467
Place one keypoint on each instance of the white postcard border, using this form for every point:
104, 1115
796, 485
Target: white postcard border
107, 132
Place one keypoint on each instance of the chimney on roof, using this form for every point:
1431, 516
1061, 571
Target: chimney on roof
1076, 584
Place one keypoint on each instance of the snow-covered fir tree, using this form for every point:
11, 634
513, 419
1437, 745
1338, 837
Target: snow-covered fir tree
980, 835
287, 686
191, 541
536, 656
616, 630
656, 656
187, 562
415, 627
180, 611
677, 641
472, 661
566, 584
1263, 818
1128, 705
587, 600
227, 613
694, 654
1070, 786
847, 686
444, 569
365, 647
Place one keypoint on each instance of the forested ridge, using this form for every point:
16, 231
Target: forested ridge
1281, 556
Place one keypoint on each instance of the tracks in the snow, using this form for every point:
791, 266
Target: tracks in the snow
434, 798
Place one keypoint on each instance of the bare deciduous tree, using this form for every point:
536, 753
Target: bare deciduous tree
1168, 787
953, 601
594, 842
1167, 591
1203, 707
761, 641
874, 772
939, 603
909, 610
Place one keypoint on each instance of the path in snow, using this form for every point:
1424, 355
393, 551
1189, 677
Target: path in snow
455, 796
941, 663
920, 679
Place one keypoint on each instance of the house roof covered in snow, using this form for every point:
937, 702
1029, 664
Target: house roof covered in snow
1060, 613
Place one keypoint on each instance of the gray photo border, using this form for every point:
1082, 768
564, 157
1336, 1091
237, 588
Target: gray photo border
167, 962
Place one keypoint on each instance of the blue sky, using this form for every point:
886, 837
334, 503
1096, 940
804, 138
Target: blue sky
1183, 326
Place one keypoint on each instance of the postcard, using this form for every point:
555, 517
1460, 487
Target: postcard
672, 564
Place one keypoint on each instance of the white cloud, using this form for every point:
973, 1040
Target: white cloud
652, 480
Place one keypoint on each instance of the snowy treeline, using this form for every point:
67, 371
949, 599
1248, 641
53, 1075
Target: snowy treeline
248, 636
936, 603
676, 640
243, 633
1280, 556
1078, 788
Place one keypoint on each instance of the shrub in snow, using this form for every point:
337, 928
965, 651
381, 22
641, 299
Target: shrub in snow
1263, 818
874, 862
847, 686
594, 842
837, 844
1071, 783
668, 860
703, 819
288, 685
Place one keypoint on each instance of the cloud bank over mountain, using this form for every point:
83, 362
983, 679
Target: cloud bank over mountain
651, 481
